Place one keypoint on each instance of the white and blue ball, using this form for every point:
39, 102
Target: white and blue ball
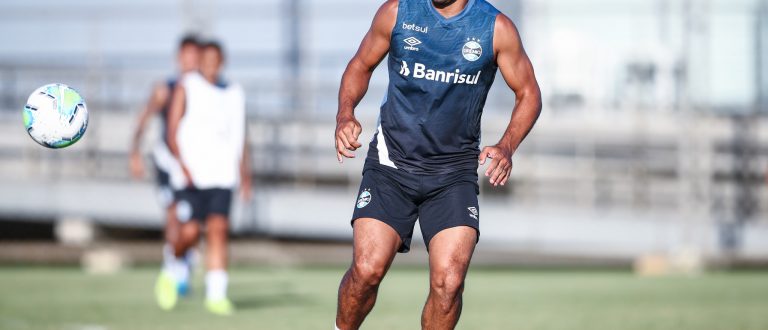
55, 116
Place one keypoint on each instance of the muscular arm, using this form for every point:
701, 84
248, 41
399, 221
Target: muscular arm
157, 99
518, 73
354, 82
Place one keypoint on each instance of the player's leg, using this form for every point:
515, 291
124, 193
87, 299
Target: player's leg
449, 220
382, 225
449, 254
375, 246
216, 276
216, 254
165, 196
175, 268
162, 163
172, 228
173, 239
189, 235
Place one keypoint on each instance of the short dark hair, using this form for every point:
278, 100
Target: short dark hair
215, 45
189, 40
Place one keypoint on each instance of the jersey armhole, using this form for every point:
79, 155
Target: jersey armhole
493, 38
397, 22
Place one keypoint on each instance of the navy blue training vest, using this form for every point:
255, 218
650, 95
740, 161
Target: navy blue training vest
440, 71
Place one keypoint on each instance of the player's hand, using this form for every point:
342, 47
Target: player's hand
136, 164
501, 164
347, 131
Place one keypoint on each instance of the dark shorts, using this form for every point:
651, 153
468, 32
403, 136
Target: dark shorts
198, 204
164, 192
398, 198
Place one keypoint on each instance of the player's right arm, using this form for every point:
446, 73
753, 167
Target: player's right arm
175, 113
354, 82
157, 99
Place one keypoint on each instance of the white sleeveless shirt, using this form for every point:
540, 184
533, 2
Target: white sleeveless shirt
211, 133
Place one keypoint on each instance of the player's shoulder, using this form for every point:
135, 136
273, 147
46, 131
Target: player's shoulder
235, 86
486, 8
388, 9
504, 23
391, 4
190, 79
505, 35
385, 18
161, 91
504, 26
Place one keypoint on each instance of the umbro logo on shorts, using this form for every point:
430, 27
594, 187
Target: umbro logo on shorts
473, 212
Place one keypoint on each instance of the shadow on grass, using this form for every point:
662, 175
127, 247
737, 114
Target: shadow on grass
271, 300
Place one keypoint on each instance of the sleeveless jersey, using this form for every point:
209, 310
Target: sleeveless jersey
212, 131
440, 71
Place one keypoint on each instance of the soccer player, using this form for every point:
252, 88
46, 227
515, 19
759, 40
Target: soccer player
188, 60
423, 160
206, 134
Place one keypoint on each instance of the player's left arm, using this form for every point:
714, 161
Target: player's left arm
157, 99
516, 68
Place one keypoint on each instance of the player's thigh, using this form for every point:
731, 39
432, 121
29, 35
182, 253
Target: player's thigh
189, 233
216, 226
375, 244
450, 252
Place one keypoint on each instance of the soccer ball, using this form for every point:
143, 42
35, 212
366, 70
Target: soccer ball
55, 116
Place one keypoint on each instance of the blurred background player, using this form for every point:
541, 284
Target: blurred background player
206, 134
188, 60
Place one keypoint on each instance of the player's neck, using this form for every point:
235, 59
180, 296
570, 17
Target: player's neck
213, 79
449, 8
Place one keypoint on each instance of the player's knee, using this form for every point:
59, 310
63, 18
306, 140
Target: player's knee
368, 272
217, 225
189, 232
447, 285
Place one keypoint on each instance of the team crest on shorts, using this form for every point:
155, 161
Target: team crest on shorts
183, 210
364, 199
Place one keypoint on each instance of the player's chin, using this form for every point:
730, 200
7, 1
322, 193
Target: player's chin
442, 3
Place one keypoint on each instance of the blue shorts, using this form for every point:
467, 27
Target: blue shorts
198, 204
398, 198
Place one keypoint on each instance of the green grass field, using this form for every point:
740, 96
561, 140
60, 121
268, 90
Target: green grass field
276, 298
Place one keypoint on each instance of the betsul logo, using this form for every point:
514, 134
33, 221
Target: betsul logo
472, 50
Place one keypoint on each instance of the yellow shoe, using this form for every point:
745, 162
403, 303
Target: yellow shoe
166, 292
221, 307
